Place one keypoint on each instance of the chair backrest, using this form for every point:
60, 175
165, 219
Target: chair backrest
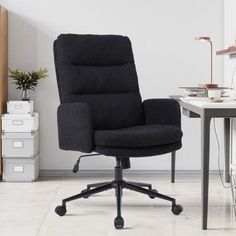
99, 70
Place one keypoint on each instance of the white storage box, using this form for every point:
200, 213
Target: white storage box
20, 122
20, 107
19, 144
24, 169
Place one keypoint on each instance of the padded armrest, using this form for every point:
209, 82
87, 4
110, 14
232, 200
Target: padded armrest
75, 129
162, 111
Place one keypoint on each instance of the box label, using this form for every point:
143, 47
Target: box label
17, 144
18, 169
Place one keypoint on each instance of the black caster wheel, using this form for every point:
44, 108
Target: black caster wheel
83, 192
154, 191
60, 210
177, 209
119, 222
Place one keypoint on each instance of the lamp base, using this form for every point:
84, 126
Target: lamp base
208, 86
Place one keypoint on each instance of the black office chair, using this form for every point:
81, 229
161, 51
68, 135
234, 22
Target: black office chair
101, 111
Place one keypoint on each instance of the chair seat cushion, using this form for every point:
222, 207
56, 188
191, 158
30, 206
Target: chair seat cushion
138, 136
138, 152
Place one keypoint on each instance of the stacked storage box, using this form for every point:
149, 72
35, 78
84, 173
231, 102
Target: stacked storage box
20, 142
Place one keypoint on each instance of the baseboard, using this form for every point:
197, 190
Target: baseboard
102, 173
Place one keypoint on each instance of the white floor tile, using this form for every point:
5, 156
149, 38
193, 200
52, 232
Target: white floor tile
28, 209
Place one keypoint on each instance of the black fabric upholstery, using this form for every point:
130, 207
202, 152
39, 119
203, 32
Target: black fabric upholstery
75, 129
138, 136
94, 50
99, 70
98, 80
101, 108
112, 111
162, 111
139, 152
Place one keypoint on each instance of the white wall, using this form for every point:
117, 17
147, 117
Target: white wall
166, 55
230, 62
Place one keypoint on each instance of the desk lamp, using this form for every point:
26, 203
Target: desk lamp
206, 85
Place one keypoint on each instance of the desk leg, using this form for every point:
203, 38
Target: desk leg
172, 167
227, 148
205, 147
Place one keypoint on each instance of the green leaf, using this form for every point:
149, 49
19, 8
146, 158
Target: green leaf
27, 80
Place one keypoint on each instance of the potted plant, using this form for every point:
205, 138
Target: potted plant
26, 81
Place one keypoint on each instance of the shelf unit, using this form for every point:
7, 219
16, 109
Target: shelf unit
228, 51
3, 67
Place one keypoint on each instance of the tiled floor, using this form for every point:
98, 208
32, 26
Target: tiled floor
27, 209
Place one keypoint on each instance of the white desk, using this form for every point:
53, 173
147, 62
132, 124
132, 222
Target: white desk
205, 110
204, 103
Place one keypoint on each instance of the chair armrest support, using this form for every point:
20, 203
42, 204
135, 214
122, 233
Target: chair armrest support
162, 111
75, 129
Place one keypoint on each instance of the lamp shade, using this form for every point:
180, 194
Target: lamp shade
203, 38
